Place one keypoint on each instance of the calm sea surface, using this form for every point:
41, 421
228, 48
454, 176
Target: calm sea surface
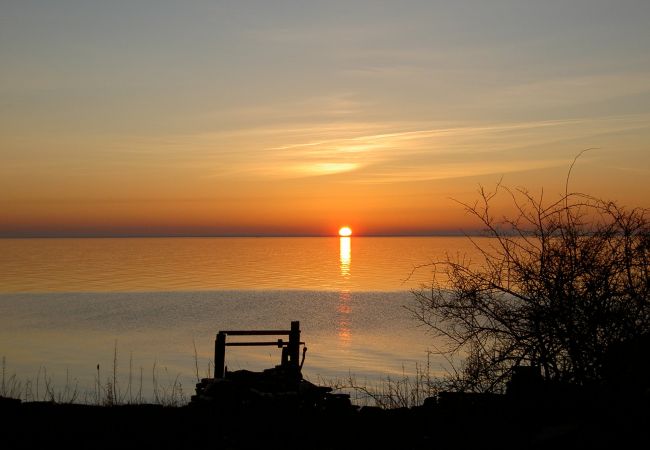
65, 304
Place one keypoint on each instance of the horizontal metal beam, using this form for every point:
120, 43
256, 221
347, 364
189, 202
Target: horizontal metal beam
256, 332
262, 343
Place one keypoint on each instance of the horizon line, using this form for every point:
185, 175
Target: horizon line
458, 233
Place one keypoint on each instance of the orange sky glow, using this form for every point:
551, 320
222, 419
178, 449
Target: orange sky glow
250, 119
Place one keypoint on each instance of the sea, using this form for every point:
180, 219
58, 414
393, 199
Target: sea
82, 312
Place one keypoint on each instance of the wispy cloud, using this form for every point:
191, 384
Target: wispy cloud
576, 90
380, 152
428, 153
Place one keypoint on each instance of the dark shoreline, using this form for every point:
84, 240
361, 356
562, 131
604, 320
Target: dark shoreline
463, 422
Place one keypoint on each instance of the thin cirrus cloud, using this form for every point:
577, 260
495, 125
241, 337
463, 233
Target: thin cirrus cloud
407, 155
372, 152
568, 91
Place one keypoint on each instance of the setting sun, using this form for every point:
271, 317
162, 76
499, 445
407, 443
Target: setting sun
345, 231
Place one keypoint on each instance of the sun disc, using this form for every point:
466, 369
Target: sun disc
345, 231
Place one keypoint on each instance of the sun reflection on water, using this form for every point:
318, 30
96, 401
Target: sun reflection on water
346, 256
344, 308
343, 324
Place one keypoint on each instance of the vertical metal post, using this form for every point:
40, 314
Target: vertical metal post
294, 345
219, 354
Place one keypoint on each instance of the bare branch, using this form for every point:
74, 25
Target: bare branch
559, 284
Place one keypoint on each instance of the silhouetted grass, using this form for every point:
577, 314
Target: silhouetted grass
167, 389
390, 392
40, 388
403, 391
10, 386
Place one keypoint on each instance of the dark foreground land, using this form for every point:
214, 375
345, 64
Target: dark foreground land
450, 421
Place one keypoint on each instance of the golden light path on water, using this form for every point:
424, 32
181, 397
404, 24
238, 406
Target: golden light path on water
344, 309
345, 256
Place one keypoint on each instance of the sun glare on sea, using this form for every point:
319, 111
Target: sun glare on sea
345, 231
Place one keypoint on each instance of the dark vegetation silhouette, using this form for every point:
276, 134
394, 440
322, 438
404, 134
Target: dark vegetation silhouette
562, 286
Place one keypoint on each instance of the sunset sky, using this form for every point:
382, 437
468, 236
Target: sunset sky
156, 117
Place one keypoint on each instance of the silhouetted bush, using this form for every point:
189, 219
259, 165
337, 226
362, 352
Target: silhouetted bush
558, 286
